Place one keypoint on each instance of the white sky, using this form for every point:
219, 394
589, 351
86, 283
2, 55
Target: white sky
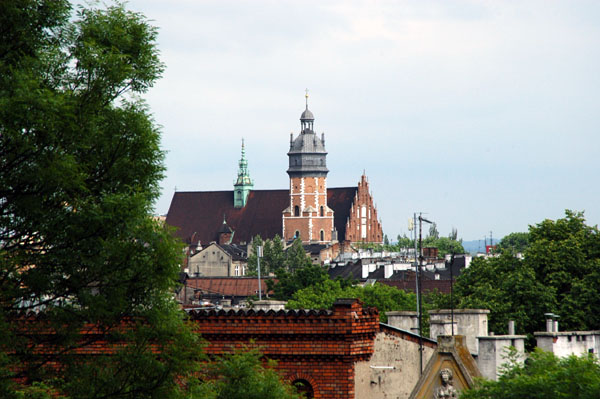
483, 114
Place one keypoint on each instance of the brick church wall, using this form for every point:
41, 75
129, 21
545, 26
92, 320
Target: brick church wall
363, 224
309, 196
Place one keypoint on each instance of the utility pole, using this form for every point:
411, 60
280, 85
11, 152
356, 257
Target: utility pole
419, 296
452, 292
258, 255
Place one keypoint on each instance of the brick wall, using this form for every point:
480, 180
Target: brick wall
363, 224
320, 347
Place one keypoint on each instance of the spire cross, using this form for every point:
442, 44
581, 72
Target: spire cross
306, 96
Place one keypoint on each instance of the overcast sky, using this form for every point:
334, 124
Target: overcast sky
482, 114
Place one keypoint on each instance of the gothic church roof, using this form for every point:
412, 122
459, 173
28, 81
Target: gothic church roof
200, 213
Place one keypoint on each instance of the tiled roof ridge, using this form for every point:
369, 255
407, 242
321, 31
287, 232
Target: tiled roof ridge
260, 312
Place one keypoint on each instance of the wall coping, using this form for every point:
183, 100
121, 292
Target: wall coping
459, 311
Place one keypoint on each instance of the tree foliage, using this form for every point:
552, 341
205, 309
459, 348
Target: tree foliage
273, 258
433, 231
444, 245
240, 374
276, 257
543, 376
80, 164
509, 289
324, 294
559, 273
290, 282
515, 242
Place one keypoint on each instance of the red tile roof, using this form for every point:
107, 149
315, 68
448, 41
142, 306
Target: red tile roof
198, 215
228, 286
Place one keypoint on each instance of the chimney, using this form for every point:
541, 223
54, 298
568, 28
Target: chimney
551, 322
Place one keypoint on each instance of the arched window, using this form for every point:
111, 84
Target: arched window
322, 211
296, 210
297, 234
303, 386
322, 235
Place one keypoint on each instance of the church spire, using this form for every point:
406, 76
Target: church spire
243, 184
307, 118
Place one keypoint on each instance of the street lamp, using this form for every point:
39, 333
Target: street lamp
419, 296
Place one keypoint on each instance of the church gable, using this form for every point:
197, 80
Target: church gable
450, 370
363, 224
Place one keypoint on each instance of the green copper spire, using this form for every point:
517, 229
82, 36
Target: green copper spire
243, 184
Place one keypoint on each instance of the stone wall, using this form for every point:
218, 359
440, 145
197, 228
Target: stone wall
393, 370
493, 351
565, 343
471, 323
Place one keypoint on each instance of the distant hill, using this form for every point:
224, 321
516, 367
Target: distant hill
475, 246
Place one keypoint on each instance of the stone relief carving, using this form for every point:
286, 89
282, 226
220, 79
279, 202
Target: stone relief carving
446, 390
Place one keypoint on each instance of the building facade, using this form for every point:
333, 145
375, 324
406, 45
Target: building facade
218, 261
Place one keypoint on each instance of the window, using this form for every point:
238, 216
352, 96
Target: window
297, 234
322, 235
237, 270
296, 210
322, 211
304, 387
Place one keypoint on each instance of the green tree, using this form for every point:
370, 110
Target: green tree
80, 165
516, 242
296, 257
565, 255
453, 234
324, 294
241, 375
444, 245
289, 282
405, 242
543, 376
273, 256
252, 269
559, 273
433, 231
509, 289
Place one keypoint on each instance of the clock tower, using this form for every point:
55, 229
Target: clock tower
308, 216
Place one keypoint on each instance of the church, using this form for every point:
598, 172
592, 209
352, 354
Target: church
309, 210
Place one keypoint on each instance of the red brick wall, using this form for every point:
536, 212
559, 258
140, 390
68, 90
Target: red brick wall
363, 202
307, 193
320, 347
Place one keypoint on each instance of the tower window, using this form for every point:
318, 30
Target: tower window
322, 235
296, 210
322, 213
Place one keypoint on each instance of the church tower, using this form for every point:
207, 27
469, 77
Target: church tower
243, 184
308, 215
